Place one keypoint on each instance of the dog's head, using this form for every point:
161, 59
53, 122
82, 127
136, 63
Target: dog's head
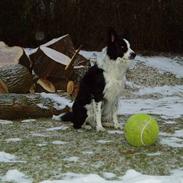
118, 47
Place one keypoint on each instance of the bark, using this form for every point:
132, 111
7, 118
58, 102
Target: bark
50, 60
17, 78
19, 106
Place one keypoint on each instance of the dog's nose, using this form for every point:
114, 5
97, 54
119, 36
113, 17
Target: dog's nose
132, 55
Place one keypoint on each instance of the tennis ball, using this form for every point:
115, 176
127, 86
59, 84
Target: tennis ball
141, 130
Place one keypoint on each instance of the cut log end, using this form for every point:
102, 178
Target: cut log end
47, 85
70, 87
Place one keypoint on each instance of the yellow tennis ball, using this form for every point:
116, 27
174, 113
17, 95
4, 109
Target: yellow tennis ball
141, 130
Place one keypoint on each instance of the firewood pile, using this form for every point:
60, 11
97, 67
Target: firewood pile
51, 67
54, 67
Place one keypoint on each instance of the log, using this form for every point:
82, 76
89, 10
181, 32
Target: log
13, 55
21, 106
65, 45
51, 59
16, 78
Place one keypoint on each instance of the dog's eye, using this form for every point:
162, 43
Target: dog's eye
122, 47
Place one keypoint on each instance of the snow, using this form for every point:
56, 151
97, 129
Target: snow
30, 51
115, 132
58, 142
13, 140
56, 56
87, 152
42, 106
108, 175
28, 120
5, 122
131, 176
168, 107
154, 154
163, 90
6, 157
103, 141
163, 64
172, 140
71, 159
63, 127
16, 176
59, 102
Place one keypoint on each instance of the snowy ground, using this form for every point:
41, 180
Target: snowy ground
49, 151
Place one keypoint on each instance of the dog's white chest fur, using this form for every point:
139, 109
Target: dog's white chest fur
114, 74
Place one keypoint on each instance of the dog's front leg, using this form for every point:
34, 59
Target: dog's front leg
98, 114
115, 118
115, 121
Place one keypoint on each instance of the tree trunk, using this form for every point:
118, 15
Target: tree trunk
20, 106
17, 78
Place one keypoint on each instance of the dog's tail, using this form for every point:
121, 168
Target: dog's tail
67, 116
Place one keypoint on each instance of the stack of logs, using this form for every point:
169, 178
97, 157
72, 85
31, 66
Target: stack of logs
54, 66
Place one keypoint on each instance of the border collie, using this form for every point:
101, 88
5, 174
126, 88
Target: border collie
102, 86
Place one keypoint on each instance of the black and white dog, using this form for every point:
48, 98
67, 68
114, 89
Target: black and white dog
102, 86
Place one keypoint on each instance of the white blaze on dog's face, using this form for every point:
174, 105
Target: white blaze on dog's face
129, 54
118, 47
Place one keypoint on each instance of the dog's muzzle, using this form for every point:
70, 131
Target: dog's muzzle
132, 55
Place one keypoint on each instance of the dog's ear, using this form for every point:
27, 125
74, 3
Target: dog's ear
112, 36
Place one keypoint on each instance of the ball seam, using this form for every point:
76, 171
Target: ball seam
141, 136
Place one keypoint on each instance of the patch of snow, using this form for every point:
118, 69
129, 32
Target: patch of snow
163, 90
90, 54
131, 176
58, 142
42, 144
115, 132
6, 157
108, 175
5, 122
72, 159
132, 85
59, 102
170, 122
178, 133
88, 152
28, 120
42, 106
30, 51
40, 135
13, 140
172, 140
56, 56
103, 141
154, 154
63, 127
167, 107
16, 176
163, 64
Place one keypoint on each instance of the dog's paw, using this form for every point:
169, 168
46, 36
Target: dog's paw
87, 127
117, 126
100, 129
